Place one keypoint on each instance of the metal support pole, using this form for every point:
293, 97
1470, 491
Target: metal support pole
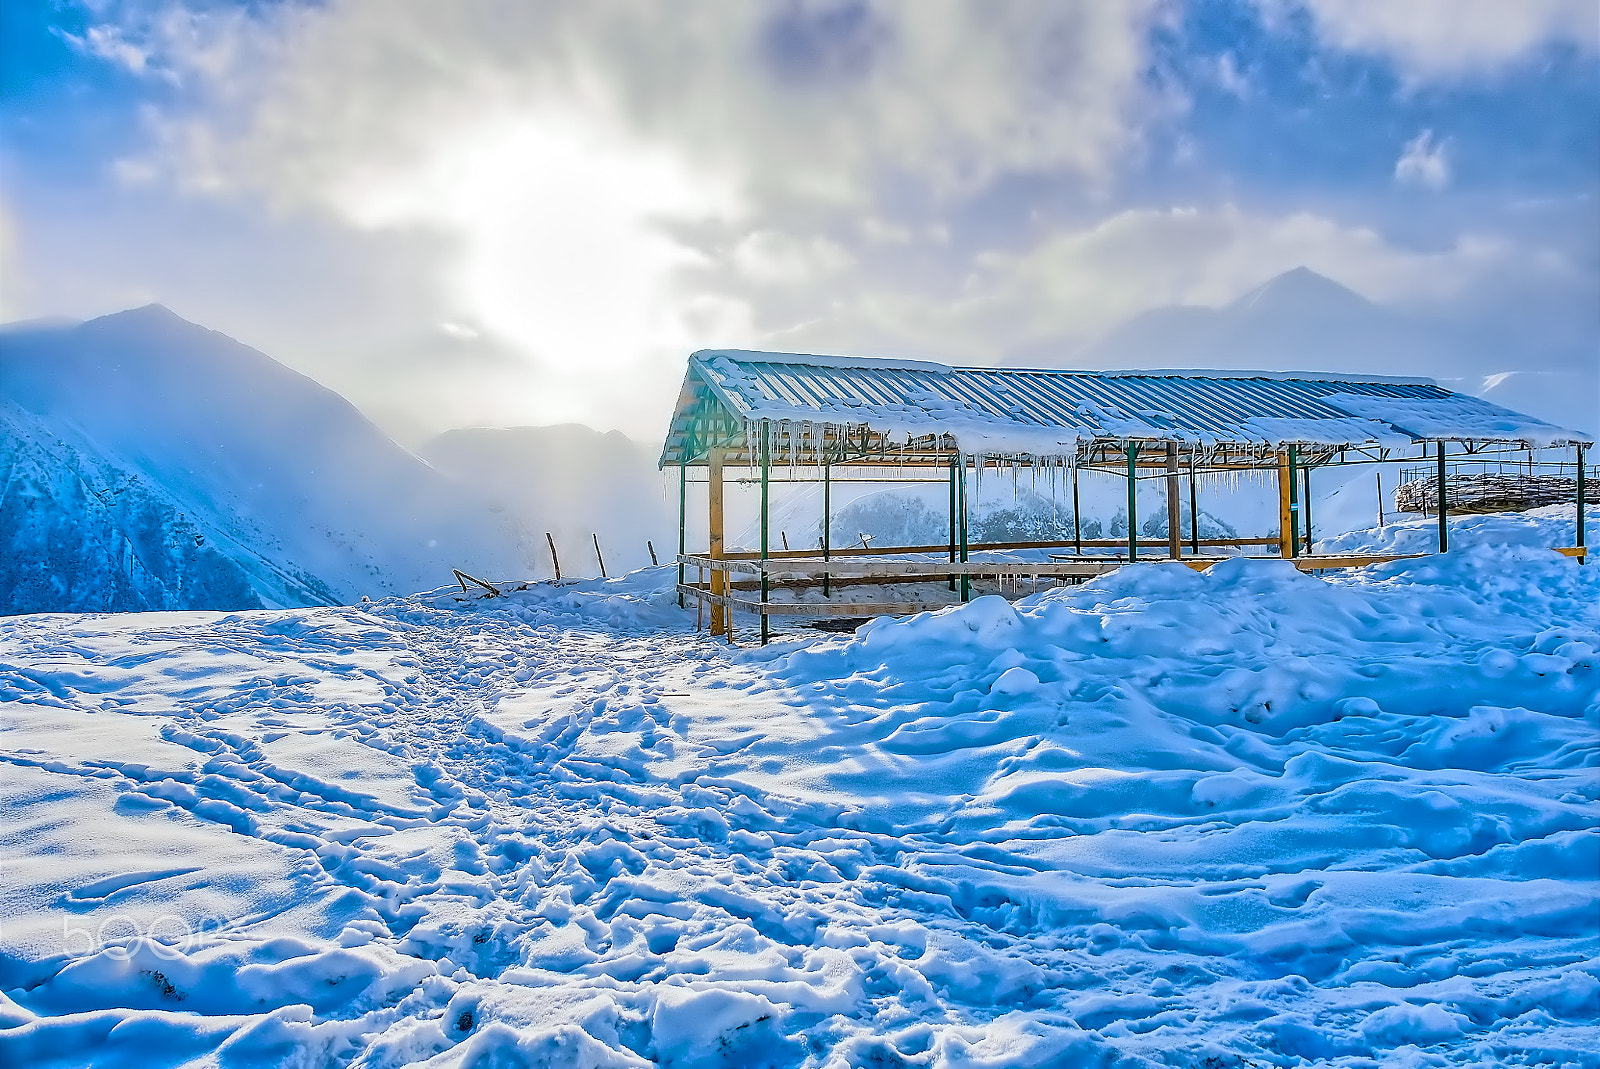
1174, 522
966, 580
1077, 522
1583, 558
1194, 511
827, 521
719, 576
952, 518
1444, 505
683, 502
1294, 503
1133, 504
766, 514
1306, 479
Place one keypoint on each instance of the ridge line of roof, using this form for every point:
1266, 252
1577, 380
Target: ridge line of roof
757, 356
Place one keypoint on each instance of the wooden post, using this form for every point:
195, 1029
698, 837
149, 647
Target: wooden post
1444, 505
719, 578
598, 555
1174, 521
1285, 517
554, 560
651, 546
1133, 503
1379, 474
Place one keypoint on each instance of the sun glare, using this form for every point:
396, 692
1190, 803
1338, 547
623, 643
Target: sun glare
565, 249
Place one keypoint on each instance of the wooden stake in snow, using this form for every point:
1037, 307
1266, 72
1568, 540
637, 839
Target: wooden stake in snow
1379, 474
785, 536
598, 556
651, 546
463, 578
555, 560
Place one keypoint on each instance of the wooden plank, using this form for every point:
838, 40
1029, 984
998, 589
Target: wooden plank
1313, 564
825, 608
800, 569
834, 581
1285, 516
935, 572
894, 572
1094, 543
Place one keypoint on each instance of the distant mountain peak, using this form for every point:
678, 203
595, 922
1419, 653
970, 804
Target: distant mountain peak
146, 314
1300, 289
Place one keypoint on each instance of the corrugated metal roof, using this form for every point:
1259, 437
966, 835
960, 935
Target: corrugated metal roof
1052, 412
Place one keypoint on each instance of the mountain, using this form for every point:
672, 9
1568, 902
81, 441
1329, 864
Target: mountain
79, 531
155, 464
547, 478
1304, 321
1565, 398
1299, 320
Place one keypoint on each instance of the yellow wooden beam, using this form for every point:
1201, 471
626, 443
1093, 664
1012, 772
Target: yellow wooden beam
1285, 515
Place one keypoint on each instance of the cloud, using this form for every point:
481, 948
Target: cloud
1075, 284
109, 43
1230, 79
818, 99
9, 265
588, 191
1423, 163
1448, 40
616, 185
772, 257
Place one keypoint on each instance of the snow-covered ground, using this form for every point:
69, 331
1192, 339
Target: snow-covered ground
1245, 817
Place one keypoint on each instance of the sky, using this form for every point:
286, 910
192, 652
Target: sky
490, 214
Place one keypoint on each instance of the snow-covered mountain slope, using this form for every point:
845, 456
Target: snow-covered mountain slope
1249, 817
571, 481
1565, 398
78, 532
273, 467
1304, 321
1299, 320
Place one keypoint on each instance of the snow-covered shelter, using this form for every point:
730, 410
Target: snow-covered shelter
814, 414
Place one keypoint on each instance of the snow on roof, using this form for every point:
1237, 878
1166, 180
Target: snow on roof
1053, 412
1218, 373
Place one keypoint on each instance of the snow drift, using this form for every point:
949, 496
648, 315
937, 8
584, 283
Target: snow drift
1242, 817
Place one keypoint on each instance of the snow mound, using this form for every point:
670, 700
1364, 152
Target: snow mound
1244, 817
1550, 526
